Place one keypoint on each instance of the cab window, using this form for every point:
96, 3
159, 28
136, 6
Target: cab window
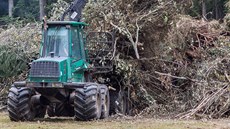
76, 47
57, 42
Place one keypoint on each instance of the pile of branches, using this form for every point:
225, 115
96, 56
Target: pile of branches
160, 54
140, 27
19, 45
130, 19
190, 77
211, 91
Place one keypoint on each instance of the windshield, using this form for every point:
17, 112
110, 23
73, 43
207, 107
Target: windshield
56, 42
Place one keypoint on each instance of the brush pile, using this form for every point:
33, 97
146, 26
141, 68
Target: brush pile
190, 77
173, 64
18, 47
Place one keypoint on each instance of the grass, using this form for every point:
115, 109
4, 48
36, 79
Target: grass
69, 123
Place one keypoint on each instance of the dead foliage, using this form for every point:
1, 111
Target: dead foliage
140, 27
18, 47
172, 50
191, 75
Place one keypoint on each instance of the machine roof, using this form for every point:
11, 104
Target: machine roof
73, 23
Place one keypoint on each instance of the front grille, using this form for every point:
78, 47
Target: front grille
44, 69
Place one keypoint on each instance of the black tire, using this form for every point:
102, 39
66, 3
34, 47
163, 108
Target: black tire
40, 111
18, 102
105, 102
50, 111
122, 103
87, 102
113, 104
58, 110
61, 109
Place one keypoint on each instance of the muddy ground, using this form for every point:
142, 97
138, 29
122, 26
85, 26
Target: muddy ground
114, 123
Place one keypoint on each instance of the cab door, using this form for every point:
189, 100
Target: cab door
77, 55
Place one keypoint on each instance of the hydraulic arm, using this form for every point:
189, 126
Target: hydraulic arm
75, 10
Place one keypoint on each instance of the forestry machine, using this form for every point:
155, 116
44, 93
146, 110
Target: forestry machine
68, 77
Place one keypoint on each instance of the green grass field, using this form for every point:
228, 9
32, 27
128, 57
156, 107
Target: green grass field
69, 123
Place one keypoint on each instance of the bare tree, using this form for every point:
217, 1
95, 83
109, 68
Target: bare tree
11, 6
42, 9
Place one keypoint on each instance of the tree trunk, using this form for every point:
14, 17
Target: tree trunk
204, 9
42, 8
216, 10
11, 6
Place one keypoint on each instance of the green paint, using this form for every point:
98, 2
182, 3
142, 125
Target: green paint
72, 66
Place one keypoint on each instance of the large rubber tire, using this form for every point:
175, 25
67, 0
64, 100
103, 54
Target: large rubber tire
87, 102
122, 103
105, 102
50, 111
61, 109
58, 110
19, 106
119, 102
113, 102
40, 111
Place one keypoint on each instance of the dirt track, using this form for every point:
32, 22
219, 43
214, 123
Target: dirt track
69, 123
